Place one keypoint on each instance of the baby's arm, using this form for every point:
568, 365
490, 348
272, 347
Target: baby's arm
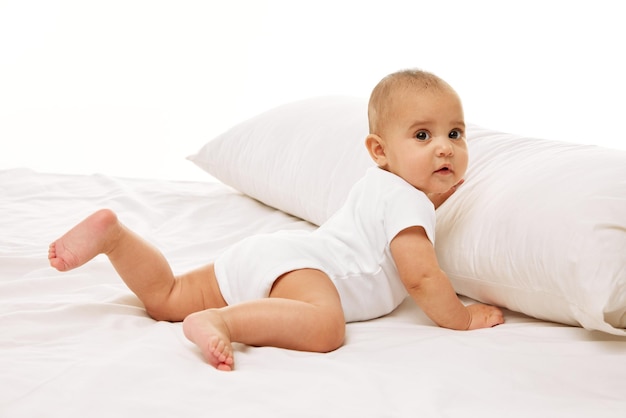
430, 288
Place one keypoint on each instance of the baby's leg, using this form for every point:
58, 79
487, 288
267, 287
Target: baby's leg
303, 313
142, 267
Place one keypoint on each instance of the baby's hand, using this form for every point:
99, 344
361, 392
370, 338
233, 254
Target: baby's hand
439, 198
484, 316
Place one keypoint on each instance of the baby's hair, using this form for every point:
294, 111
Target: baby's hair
392, 86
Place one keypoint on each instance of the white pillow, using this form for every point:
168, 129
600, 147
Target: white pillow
538, 227
301, 158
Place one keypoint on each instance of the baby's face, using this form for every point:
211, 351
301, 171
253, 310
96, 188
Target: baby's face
425, 141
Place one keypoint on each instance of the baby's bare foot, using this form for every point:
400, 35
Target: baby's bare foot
83, 242
208, 331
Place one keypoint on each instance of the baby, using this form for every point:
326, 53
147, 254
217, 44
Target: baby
297, 289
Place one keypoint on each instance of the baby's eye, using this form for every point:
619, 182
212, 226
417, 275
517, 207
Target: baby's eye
455, 134
422, 135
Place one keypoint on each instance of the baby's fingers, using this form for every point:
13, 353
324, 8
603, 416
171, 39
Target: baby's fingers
485, 316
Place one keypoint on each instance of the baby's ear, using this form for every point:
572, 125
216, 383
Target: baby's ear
376, 148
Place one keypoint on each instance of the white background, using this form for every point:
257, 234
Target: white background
131, 87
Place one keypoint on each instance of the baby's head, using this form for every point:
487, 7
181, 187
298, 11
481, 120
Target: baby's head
417, 130
393, 90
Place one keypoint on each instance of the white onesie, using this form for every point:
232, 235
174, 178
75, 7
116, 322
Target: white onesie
352, 248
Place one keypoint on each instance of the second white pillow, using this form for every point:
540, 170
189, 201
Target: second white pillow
301, 158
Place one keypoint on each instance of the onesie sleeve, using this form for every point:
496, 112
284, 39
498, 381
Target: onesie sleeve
407, 207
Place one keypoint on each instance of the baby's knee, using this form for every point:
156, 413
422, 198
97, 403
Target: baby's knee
332, 333
165, 308
336, 338
161, 313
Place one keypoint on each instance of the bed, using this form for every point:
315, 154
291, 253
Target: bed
80, 344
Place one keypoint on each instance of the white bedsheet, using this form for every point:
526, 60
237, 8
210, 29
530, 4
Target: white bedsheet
79, 344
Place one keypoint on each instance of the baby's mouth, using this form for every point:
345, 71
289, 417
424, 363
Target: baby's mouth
444, 170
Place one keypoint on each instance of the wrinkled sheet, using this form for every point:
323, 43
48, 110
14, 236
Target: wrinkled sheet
79, 344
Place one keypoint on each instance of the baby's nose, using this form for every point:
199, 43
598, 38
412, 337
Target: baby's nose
444, 148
